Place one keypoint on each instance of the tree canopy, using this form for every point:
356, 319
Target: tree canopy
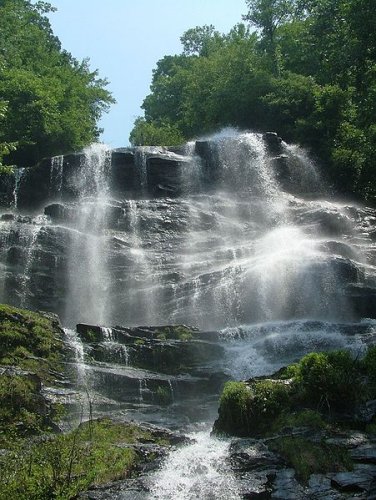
304, 67
50, 102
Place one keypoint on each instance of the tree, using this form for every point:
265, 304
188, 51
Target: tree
149, 134
268, 15
53, 101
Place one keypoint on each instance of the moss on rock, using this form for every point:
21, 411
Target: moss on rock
31, 355
331, 385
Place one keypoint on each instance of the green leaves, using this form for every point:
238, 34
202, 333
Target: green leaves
53, 100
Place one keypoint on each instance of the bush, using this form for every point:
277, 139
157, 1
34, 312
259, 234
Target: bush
329, 380
249, 409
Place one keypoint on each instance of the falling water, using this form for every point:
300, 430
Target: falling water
29, 259
18, 173
88, 276
198, 470
56, 176
245, 249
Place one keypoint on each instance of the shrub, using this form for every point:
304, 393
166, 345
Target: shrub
329, 380
249, 409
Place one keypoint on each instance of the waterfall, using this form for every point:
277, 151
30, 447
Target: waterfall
56, 176
87, 274
198, 470
18, 173
233, 234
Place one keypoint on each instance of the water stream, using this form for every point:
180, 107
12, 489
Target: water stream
248, 248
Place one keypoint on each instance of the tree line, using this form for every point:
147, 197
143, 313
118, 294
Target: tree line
305, 68
50, 102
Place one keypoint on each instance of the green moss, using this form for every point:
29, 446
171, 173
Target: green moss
95, 453
25, 336
329, 380
309, 458
32, 353
304, 418
249, 409
90, 336
311, 392
175, 332
163, 395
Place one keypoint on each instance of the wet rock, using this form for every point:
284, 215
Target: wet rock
90, 333
358, 480
319, 486
34, 186
125, 178
286, 487
256, 485
365, 453
164, 175
249, 454
7, 217
130, 489
56, 211
363, 299
7, 186
273, 142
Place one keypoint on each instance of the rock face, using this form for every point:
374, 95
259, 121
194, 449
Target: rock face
215, 234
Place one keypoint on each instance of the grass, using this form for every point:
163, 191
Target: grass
62, 466
32, 355
309, 458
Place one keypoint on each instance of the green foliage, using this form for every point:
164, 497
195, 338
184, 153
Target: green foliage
234, 409
311, 392
62, 466
53, 101
248, 410
303, 418
309, 71
329, 380
149, 133
178, 332
310, 458
26, 337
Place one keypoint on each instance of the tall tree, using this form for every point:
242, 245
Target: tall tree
53, 101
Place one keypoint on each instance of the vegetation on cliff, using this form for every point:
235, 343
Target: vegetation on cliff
61, 466
50, 102
304, 67
321, 388
31, 355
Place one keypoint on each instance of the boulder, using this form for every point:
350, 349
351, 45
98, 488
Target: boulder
273, 142
164, 175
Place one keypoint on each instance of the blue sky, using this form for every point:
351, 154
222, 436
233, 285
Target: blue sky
125, 38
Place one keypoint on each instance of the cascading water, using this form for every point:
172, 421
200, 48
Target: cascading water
227, 234
87, 273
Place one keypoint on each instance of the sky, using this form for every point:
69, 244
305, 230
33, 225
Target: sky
124, 39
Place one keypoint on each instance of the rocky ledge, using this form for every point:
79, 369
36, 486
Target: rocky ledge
308, 431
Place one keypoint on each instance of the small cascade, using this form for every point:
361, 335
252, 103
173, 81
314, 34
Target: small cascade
27, 274
88, 276
82, 404
142, 153
140, 300
18, 173
262, 349
198, 470
56, 176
